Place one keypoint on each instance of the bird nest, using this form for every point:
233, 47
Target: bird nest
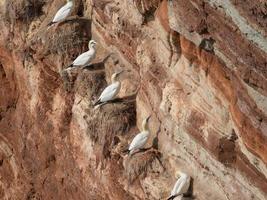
66, 40
139, 163
61, 43
116, 120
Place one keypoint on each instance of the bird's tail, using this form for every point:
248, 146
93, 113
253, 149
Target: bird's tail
174, 196
69, 67
171, 197
50, 23
97, 102
126, 151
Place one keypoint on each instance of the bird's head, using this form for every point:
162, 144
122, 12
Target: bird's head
179, 173
92, 44
145, 122
115, 76
147, 118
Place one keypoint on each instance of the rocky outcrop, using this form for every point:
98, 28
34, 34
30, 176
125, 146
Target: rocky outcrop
199, 67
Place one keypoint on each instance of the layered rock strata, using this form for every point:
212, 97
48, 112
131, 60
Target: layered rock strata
198, 66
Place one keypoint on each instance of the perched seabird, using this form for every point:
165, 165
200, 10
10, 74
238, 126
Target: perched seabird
181, 186
86, 57
110, 91
141, 138
62, 13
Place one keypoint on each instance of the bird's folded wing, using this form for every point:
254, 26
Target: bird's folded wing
109, 92
62, 13
82, 59
177, 187
138, 141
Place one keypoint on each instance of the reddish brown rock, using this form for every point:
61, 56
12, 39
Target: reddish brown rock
199, 67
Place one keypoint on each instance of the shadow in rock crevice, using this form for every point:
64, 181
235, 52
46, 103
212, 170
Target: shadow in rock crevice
126, 99
97, 66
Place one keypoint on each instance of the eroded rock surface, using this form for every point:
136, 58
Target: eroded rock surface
198, 66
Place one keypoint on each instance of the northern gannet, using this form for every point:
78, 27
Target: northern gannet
86, 57
62, 13
110, 92
181, 186
141, 138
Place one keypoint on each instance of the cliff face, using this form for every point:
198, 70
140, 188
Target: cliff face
199, 67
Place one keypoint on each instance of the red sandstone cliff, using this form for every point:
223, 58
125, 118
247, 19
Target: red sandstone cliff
198, 66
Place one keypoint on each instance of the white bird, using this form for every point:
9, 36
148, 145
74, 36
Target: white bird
62, 13
141, 138
181, 186
111, 91
86, 57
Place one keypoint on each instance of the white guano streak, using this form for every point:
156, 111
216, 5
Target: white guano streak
252, 34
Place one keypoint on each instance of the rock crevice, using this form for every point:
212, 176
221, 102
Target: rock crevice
199, 67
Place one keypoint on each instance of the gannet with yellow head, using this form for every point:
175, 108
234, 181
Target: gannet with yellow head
181, 186
140, 139
86, 57
111, 91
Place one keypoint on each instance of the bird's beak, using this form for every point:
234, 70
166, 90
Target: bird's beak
178, 174
148, 118
120, 72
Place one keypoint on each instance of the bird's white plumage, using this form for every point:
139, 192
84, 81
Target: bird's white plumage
141, 138
63, 12
139, 141
181, 186
85, 58
110, 92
